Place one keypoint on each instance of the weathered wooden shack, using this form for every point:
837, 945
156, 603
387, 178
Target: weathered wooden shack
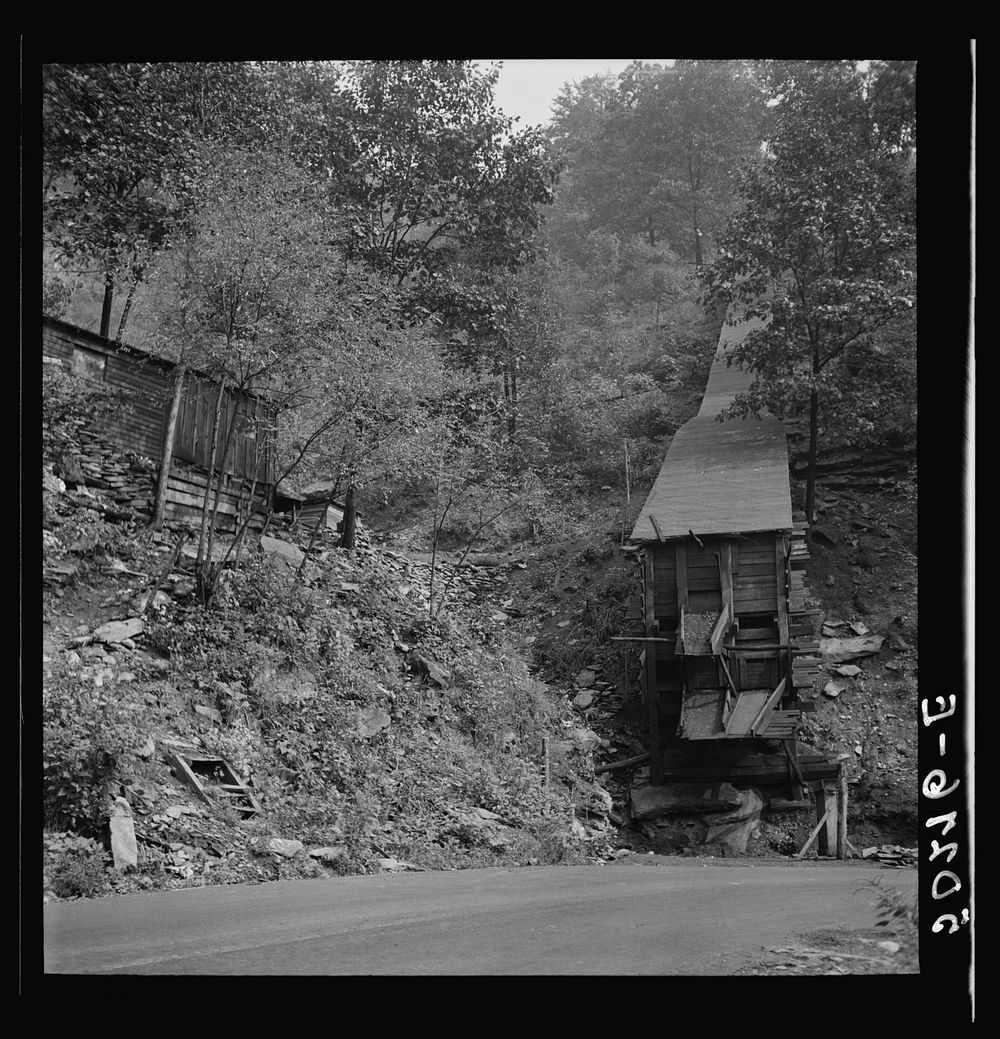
306, 508
148, 381
727, 640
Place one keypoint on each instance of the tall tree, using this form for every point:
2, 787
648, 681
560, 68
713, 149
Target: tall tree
122, 156
247, 292
435, 169
657, 154
820, 246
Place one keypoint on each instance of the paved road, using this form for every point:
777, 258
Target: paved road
672, 917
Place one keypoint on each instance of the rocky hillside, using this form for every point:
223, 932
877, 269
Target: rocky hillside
862, 579
369, 735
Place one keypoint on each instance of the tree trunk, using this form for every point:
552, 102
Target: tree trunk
230, 432
650, 232
211, 473
512, 414
167, 451
109, 295
811, 470
698, 259
350, 518
128, 306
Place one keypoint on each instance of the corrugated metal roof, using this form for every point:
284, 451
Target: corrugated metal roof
721, 477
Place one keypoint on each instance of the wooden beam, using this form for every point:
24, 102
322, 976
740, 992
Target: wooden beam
767, 708
652, 694
797, 780
640, 638
721, 627
656, 526
826, 803
624, 763
842, 841
729, 677
819, 826
781, 570
682, 574
726, 575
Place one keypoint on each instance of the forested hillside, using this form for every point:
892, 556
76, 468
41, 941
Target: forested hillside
480, 337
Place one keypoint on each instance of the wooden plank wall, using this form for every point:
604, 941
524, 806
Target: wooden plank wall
311, 510
194, 430
186, 493
140, 429
665, 581
754, 576
148, 387
699, 584
149, 384
703, 580
755, 584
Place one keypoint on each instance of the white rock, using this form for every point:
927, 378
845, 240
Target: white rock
890, 947
124, 850
329, 854
836, 650
277, 549
372, 720
287, 849
119, 631
392, 865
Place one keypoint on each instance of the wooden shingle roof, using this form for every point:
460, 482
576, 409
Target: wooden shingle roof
721, 477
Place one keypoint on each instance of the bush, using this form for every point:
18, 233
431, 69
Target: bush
74, 867
87, 732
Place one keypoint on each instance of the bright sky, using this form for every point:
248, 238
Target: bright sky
528, 86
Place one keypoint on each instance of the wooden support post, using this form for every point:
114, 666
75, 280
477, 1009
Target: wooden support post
842, 842
760, 723
652, 693
781, 570
796, 780
726, 576
682, 575
826, 812
167, 449
817, 830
